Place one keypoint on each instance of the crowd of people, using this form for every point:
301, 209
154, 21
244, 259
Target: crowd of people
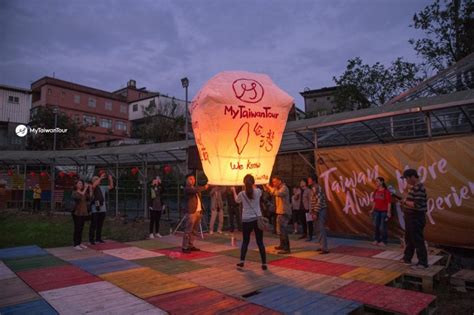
304, 212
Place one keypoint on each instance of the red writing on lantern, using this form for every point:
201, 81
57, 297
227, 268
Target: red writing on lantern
267, 141
237, 166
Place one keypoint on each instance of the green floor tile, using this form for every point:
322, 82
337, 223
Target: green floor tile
34, 262
169, 266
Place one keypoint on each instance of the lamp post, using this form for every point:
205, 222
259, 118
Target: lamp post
55, 111
185, 84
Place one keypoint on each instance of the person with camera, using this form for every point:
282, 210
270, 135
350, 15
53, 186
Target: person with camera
99, 208
155, 206
81, 195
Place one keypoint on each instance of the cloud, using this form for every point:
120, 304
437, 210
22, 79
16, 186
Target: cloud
105, 43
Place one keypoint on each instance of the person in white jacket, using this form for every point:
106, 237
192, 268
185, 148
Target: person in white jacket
250, 200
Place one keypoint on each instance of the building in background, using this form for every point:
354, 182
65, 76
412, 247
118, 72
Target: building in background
15, 105
319, 102
104, 114
130, 93
155, 105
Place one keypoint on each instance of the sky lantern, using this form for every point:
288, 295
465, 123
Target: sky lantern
238, 119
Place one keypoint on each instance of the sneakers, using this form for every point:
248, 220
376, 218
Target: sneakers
240, 264
284, 252
278, 248
419, 267
91, 242
220, 232
405, 262
264, 267
211, 233
77, 247
100, 241
83, 246
194, 249
158, 235
186, 250
324, 252
151, 236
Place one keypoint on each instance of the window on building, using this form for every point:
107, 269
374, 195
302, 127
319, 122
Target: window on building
108, 105
77, 99
63, 93
92, 102
13, 99
328, 98
106, 123
120, 125
77, 118
89, 120
49, 92
16, 140
135, 107
123, 108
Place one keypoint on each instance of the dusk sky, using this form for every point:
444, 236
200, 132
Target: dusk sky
103, 44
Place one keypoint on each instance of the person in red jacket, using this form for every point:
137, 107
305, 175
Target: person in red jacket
381, 210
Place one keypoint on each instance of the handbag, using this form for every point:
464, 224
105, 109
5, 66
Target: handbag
262, 222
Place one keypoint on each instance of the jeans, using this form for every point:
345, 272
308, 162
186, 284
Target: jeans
155, 217
380, 226
282, 229
97, 222
214, 214
234, 211
191, 229
414, 238
78, 228
248, 227
321, 234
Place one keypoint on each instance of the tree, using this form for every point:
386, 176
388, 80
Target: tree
160, 124
362, 85
449, 30
43, 117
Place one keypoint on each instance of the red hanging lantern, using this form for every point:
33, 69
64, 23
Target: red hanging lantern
61, 174
70, 174
10, 172
134, 171
167, 169
32, 174
43, 174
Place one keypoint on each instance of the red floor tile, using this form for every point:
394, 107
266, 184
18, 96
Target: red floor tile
321, 267
44, 279
356, 251
385, 298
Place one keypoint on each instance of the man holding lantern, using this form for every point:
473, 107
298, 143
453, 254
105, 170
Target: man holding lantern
195, 210
280, 191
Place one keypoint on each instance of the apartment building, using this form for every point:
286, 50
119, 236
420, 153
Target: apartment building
15, 105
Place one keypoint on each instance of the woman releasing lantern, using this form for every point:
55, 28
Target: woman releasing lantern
238, 120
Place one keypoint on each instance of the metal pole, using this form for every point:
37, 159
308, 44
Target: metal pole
55, 126
145, 188
186, 127
24, 186
428, 124
116, 187
52, 186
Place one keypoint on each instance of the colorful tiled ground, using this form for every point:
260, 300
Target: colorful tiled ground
150, 276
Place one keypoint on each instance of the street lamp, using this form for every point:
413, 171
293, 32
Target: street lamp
55, 112
185, 84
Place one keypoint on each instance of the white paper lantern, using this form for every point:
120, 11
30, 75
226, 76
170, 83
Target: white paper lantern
238, 119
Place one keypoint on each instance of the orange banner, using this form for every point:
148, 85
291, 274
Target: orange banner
446, 167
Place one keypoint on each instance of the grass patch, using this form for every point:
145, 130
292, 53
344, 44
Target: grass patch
22, 228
